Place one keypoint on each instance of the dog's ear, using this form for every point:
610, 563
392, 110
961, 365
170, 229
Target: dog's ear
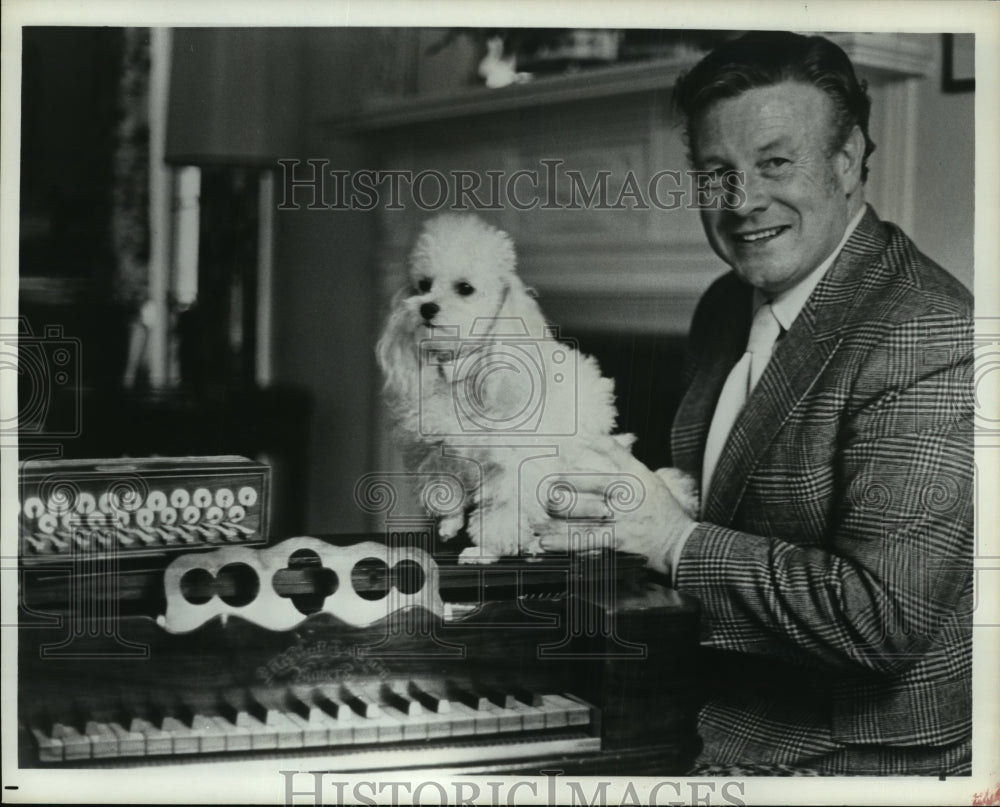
397, 351
522, 305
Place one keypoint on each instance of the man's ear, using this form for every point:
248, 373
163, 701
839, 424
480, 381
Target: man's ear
850, 157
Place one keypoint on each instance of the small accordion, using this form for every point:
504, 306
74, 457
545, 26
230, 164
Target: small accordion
95, 508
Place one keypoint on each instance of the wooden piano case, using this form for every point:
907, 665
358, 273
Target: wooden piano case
584, 665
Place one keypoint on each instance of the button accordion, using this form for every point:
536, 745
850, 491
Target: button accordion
179, 641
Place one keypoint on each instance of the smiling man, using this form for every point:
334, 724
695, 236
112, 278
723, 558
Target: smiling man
829, 419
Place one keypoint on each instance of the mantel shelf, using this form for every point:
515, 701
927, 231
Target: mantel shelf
891, 55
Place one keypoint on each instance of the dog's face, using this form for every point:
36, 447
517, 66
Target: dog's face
461, 272
463, 294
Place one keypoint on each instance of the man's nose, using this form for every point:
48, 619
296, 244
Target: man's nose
753, 198
429, 310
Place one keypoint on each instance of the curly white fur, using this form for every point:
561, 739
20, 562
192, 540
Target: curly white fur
482, 389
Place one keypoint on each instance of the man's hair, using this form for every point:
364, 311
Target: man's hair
765, 58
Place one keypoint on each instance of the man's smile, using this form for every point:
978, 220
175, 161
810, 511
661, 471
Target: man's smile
758, 236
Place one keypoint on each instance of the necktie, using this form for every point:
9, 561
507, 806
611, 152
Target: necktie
742, 379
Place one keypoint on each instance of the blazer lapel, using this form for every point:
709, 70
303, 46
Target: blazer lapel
798, 359
716, 353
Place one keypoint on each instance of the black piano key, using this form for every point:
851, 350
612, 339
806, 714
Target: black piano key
526, 696
429, 697
500, 697
462, 694
363, 706
241, 711
270, 706
392, 696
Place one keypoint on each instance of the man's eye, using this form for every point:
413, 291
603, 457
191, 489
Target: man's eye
772, 163
464, 288
423, 285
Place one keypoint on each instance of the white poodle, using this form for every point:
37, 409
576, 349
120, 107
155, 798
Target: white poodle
483, 391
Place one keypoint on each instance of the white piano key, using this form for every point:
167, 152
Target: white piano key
439, 724
213, 735
103, 742
338, 732
388, 724
76, 745
237, 737
485, 714
463, 720
182, 737
312, 732
158, 741
532, 717
395, 725
339, 719
289, 733
508, 719
576, 712
50, 749
242, 712
130, 743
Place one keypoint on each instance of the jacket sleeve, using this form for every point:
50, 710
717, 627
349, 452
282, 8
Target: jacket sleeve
896, 555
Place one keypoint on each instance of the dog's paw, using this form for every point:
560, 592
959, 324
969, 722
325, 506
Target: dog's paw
476, 554
684, 488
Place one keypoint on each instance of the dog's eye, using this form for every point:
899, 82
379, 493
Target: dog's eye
464, 288
423, 285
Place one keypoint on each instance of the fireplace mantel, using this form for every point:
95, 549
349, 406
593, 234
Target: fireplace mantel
888, 56
609, 270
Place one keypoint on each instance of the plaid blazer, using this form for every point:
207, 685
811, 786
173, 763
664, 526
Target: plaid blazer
834, 564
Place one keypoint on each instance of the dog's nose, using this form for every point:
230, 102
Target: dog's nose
429, 310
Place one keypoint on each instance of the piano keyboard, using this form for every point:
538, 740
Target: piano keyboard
337, 717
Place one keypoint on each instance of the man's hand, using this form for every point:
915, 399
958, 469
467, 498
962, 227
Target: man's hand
648, 521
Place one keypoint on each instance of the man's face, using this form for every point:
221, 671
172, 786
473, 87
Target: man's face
797, 203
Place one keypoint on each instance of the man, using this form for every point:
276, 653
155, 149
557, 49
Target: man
833, 555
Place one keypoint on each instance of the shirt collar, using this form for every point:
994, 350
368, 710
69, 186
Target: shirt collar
787, 304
